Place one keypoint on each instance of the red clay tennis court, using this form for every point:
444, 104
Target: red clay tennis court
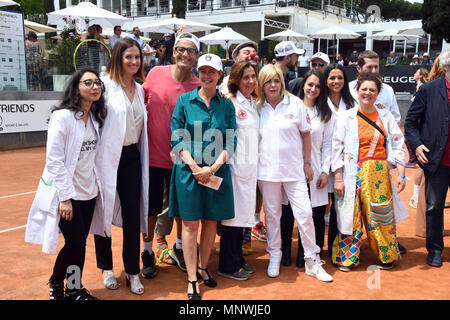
24, 269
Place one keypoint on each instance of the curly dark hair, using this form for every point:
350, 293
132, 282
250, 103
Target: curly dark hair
72, 99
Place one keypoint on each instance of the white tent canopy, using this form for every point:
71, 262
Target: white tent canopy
392, 34
287, 35
174, 24
224, 37
335, 33
5, 3
86, 11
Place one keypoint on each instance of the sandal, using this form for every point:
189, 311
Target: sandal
194, 295
210, 282
134, 283
109, 280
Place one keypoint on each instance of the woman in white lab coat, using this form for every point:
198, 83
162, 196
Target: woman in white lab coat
69, 188
284, 168
313, 93
339, 100
244, 165
123, 163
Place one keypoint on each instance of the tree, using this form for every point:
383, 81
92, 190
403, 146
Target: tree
436, 18
391, 10
179, 8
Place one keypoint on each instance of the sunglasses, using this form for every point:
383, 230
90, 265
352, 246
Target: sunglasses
315, 64
90, 83
182, 50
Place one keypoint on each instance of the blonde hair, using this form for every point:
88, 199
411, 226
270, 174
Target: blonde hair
267, 73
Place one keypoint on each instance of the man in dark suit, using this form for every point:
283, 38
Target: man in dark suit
427, 127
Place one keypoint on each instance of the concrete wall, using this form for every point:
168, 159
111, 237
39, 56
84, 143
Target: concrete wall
20, 140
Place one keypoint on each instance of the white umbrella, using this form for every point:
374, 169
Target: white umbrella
415, 29
4, 3
224, 37
391, 34
287, 35
172, 25
86, 11
335, 33
37, 27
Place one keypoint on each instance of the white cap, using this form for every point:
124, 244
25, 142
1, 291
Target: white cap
286, 48
416, 56
211, 60
322, 56
426, 54
189, 37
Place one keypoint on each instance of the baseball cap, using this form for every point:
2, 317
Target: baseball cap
236, 50
416, 56
426, 54
189, 37
322, 56
286, 48
211, 60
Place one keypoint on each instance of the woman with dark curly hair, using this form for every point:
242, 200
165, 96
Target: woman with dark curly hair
69, 189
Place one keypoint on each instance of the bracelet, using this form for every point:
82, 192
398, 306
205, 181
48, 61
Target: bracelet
338, 180
308, 162
403, 176
211, 171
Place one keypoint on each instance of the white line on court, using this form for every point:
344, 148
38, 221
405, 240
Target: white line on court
20, 227
17, 195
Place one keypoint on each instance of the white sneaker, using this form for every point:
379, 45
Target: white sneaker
313, 267
273, 270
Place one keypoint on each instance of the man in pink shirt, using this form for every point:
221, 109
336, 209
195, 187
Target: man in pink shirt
163, 86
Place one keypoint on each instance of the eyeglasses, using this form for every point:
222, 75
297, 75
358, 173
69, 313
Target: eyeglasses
315, 64
90, 83
182, 50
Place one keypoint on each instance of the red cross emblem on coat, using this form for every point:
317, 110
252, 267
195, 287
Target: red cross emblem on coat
242, 114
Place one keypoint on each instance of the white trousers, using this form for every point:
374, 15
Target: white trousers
297, 193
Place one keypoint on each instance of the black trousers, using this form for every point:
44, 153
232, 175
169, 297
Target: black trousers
129, 175
75, 233
158, 177
230, 256
287, 224
436, 187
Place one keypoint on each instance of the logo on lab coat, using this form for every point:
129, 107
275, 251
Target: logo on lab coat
242, 114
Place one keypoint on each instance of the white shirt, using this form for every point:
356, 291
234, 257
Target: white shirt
386, 97
135, 120
281, 143
303, 61
84, 176
321, 140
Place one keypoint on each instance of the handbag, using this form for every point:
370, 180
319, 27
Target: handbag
373, 124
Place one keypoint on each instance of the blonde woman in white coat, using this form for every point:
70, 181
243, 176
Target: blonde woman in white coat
69, 189
244, 166
123, 163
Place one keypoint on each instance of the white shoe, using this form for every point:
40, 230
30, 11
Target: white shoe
109, 280
273, 270
313, 267
135, 284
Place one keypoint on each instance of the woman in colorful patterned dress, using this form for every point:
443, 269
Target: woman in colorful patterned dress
367, 143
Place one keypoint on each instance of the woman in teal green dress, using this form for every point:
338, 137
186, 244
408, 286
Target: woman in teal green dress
203, 138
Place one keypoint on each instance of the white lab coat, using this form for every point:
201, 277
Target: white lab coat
244, 163
64, 140
386, 97
321, 139
345, 155
110, 149
342, 108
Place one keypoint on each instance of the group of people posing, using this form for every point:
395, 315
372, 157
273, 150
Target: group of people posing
115, 148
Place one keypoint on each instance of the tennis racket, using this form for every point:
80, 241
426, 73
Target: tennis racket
91, 53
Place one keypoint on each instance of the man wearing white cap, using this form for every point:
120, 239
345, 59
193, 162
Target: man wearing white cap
319, 61
163, 86
426, 60
286, 56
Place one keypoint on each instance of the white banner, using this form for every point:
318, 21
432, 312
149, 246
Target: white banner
25, 115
